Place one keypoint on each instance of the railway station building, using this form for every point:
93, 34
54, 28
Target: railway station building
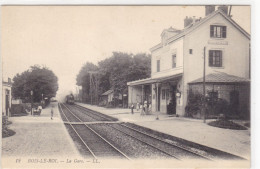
177, 64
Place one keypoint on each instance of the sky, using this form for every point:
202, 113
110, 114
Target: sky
64, 38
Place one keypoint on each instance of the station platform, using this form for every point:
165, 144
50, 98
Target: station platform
38, 137
236, 142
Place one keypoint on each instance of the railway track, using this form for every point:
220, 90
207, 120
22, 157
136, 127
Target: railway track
95, 115
169, 150
95, 144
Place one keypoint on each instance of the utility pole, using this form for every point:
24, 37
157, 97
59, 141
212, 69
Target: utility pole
31, 102
157, 100
94, 84
204, 92
97, 85
90, 87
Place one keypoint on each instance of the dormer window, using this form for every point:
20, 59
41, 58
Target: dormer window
217, 31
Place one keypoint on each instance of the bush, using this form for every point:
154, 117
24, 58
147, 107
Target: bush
194, 105
223, 123
5, 131
18, 109
218, 106
214, 106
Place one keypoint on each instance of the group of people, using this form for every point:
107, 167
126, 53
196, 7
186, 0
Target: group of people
144, 108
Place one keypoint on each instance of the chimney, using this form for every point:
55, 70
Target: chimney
187, 21
9, 80
209, 9
224, 8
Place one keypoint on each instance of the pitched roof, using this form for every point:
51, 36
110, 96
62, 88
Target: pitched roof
195, 25
107, 92
221, 77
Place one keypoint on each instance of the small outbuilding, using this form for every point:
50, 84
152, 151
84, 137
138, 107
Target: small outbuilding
6, 97
108, 97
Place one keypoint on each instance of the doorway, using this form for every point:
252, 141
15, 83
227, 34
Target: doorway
171, 107
159, 98
7, 105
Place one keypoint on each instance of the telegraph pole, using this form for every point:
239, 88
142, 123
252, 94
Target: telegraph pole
31, 102
93, 84
204, 92
90, 87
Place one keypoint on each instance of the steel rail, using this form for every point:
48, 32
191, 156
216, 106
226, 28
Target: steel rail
144, 142
164, 152
92, 153
94, 112
99, 135
197, 154
165, 141
92, 115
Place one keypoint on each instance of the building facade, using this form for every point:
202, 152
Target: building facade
178, 61
6, 97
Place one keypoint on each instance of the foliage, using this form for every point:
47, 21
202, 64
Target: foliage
38, 79
194, 105
5, 131
114, 72
227, 124
219, 106
83, 79
214, 106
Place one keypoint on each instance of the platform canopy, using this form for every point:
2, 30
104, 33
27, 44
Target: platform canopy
221, 77
153, 80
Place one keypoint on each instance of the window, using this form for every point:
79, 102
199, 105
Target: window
174, 61
215, 58
218, 31
190, 51
158, 65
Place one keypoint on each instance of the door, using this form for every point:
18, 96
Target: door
171, 107
174, 101
6, 104
159, 98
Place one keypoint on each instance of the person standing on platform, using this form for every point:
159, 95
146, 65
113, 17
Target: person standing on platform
145, 107
137, 106
52, 112
132, 108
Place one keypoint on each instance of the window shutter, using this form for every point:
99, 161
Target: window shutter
210, 58
224, 31
211, 31
220, 58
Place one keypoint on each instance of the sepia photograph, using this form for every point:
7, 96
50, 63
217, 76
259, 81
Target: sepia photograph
126, 86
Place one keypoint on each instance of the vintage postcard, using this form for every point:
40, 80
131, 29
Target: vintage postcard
126, 86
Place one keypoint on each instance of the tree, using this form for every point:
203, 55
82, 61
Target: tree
140, 67
38, 79
115, 71
83, 79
